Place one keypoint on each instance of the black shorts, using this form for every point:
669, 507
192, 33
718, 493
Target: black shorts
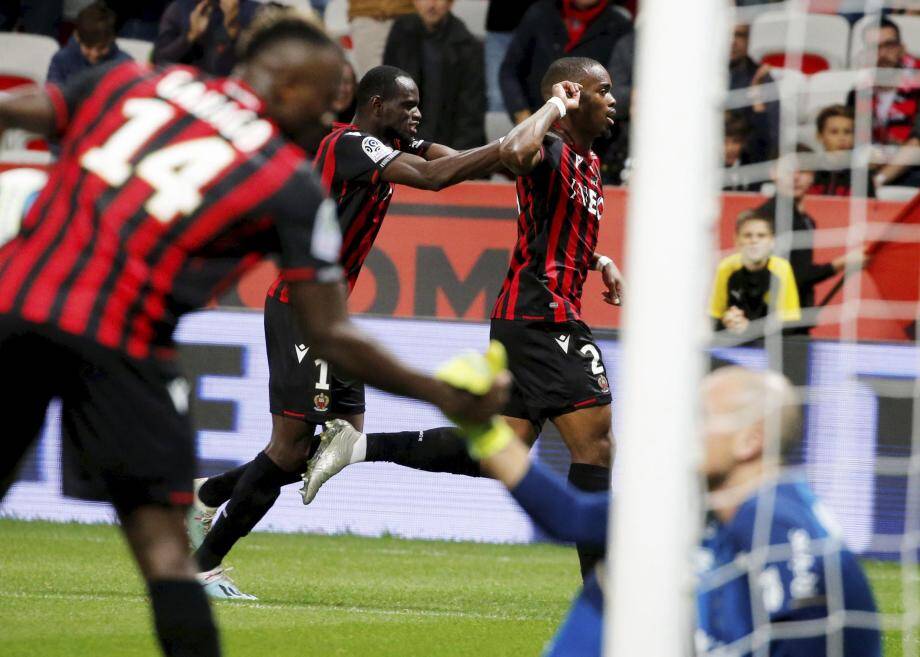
300, 386
557, 368
126, 437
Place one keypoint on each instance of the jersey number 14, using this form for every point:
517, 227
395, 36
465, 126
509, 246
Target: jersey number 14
176, 172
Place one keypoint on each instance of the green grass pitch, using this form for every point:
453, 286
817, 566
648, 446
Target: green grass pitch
69, 589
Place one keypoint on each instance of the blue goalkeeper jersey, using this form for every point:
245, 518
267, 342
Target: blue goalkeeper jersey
782, 587
803, 571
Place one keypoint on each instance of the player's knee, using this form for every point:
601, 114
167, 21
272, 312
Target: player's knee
594, 449
289, 454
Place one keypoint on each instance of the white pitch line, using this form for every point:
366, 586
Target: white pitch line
434, 613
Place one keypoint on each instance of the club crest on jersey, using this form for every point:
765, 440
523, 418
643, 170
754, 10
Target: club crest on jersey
587, 197
321, 402
375, 149
602, 382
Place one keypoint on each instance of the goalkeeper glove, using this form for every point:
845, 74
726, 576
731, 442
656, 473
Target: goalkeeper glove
475, 373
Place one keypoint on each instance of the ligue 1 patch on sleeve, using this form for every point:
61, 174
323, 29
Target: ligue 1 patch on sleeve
375, 149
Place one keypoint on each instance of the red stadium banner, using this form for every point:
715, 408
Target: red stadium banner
445, 254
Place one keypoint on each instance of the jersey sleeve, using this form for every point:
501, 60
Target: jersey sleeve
788, 302
362, 157
718, 297
308, 231
67, 98
415, 147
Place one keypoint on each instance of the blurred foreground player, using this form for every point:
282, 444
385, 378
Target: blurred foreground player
558, 370
789, 583
359, 163
170, 184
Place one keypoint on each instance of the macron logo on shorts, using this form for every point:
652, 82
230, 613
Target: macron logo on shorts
301, 351
563, 342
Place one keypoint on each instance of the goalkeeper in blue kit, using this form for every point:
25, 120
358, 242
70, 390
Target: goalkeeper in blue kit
780, 594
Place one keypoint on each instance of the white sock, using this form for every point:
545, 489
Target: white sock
359, 450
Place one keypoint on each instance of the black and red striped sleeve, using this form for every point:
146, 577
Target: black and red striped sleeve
362, 157
308, 230
67, 98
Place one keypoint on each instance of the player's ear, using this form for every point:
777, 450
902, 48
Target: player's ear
749, 443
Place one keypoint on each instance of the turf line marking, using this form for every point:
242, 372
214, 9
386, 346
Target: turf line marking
435, 613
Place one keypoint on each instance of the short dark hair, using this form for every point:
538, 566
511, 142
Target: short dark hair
737, 126
379, 81
573, 69
883, 23
95, 25
753, 215
274, 24
832, 111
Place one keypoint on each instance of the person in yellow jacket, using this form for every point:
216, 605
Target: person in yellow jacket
753, 283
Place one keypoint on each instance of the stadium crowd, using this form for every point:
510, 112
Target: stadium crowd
478, 64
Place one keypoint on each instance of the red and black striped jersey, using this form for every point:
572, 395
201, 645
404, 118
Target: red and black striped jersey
560, 203
350, 164
170, 184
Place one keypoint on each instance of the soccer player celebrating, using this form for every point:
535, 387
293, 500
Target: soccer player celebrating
170, 184
789, 580
558, 370
359, 163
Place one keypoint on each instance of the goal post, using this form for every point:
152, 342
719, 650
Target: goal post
676, 142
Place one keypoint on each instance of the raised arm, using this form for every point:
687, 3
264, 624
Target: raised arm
520, 150
439, 172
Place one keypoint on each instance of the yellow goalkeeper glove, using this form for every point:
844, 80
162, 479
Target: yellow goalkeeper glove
475, 373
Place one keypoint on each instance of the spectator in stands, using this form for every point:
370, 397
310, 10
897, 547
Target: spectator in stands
745, 73
203, 33
833, 177
753, 282
895, 107
370, 22
793, 178
895, 99
737, 133
92, 44
502, 19
347, 103
549, 30
437, 50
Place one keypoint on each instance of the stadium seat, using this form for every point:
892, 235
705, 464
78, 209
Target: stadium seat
826, 39
139, 49
336, 18
497, 125
793, 84
895, 193
26, 55
828, 88
910, 37
473, 13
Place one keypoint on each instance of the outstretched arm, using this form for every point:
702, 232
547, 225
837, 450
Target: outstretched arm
31, 110
443, 169
520, 150
321, 311
564, 513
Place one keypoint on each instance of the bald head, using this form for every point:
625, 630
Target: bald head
735, 398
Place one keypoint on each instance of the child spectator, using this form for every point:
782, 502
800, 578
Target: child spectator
763, 117
92, 44
753, 283
347, 103
835, 134
737, 133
